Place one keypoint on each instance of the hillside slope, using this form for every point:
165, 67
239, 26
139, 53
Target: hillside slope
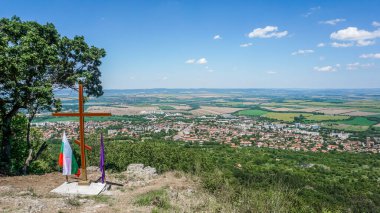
171, 191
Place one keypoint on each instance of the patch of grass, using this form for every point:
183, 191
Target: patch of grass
73, 201
327, 117
345, 127
158, 198
358, 121
32, 192
120, 176
177, 174
287, 117
102, 198
166, 108
252, 112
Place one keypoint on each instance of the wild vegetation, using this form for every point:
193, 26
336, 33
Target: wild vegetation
302, 181
250, 179
34, 60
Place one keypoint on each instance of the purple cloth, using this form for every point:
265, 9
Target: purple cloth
102, 157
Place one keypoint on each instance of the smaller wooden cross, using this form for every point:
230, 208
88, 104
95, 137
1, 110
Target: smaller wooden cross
81, 114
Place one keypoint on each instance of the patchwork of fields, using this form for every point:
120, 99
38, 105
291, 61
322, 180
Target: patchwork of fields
342, 110
289, 117
339, 122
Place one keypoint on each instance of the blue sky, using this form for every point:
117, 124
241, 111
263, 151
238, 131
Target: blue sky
222, 44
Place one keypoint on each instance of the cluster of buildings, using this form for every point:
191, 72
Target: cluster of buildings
234, 131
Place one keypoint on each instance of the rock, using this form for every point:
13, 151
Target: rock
93, 169
138, 175
32, 205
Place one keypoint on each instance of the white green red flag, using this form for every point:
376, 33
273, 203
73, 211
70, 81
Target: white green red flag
67, 159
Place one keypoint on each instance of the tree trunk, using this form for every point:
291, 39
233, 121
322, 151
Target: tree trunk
6, 131
27, 162
30, 155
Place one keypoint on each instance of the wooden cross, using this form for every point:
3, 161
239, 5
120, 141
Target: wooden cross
81, 114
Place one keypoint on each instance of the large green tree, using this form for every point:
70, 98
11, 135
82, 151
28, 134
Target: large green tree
34, 61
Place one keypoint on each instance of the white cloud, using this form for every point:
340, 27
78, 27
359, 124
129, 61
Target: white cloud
267, 32
363, 43
333, 21
246, 45
336, 44
271, 72
321, 45
217, 37
326, 68
357, 65
194, 61
302, 52
164, 78
202, 61
311, 11
190, 61
372, 55
376, 24
362, 37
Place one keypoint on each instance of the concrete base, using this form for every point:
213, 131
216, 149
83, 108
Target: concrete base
74, 188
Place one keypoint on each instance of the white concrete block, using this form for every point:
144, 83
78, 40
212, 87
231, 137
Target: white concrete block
74, 189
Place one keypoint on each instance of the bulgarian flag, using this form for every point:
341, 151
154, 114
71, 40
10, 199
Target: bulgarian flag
67, 159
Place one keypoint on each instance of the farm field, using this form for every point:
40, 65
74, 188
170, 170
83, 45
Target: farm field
127, 110
327, 117
289, 117
50, 118
207, 110
167, 108
252, 112
358, 121
345, 127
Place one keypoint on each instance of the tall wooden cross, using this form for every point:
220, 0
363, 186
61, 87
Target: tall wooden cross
81, 114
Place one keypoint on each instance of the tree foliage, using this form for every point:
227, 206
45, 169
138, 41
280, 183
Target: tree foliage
34, 60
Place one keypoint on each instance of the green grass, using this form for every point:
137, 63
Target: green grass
166, 108
158, 198
287, 117
252, 112
358, 121
348, 128
327, 117
73, 201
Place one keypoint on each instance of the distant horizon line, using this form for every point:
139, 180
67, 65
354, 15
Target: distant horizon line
236, 88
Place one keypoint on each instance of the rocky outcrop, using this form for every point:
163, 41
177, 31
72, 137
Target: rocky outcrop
138, 175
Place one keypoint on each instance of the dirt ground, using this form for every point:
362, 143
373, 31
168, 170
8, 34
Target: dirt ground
32, 194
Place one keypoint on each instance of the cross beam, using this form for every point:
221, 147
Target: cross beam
81, 114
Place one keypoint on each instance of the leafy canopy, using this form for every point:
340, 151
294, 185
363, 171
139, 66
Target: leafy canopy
34, 60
